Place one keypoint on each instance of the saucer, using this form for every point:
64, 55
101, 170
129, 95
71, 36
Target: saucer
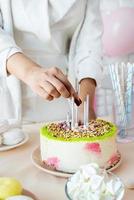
37, 162
8, 147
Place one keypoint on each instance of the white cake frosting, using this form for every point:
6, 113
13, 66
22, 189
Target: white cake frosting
91, 182
68, 155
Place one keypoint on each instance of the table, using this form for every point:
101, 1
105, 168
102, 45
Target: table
17, 163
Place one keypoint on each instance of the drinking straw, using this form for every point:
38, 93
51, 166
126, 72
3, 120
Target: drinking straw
68, 120
76, 116
84, 114
87, 110
121, 100
115, 87
72, 112
77, 88
114, 73
129, 90
122, 69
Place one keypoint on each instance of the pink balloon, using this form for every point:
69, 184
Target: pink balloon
118, 37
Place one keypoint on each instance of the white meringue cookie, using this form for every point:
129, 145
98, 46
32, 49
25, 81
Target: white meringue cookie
96, 182
91, 182
4, 126
13, 136
19, 197
89, 170
113, 186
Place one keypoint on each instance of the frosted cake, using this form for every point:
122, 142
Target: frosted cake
66, 150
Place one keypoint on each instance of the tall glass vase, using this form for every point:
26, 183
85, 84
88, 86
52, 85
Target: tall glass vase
123, 103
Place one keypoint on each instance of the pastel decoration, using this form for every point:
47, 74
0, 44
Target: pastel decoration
118, 37
94, 147
53, 162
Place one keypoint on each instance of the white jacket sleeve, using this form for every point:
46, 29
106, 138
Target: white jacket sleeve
88, 45
7, 48
4, 55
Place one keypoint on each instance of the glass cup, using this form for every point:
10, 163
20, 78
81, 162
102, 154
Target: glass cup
122, 99
126, 125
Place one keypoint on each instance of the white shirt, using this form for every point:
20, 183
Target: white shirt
34, 32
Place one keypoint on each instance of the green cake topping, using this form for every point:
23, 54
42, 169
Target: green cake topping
96, 130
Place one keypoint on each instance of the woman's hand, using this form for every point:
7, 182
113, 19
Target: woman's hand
92, 114
87, 87
48, 83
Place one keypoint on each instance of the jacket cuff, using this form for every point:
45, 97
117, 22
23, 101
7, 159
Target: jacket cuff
89, 68
4, 55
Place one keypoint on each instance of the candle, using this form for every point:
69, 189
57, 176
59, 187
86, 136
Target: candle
87, 110
76, 116
68, 120
72, 112
84, 114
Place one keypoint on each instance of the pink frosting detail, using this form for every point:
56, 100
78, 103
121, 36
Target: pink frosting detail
53, 162
94, 147
113, 159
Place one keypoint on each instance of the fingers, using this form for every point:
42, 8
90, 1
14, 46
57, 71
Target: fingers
77, 100
60, 87
63, 79
50, 89
42, 93
52, 83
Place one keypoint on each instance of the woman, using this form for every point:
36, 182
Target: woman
42, 42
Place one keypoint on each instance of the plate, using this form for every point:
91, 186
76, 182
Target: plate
29, 194
6, 147
36, 160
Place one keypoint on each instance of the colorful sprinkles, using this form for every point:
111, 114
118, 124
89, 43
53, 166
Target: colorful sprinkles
95, 128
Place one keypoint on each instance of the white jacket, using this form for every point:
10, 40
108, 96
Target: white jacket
32, 18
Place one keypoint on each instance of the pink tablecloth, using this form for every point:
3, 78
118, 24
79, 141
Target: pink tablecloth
17, 163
